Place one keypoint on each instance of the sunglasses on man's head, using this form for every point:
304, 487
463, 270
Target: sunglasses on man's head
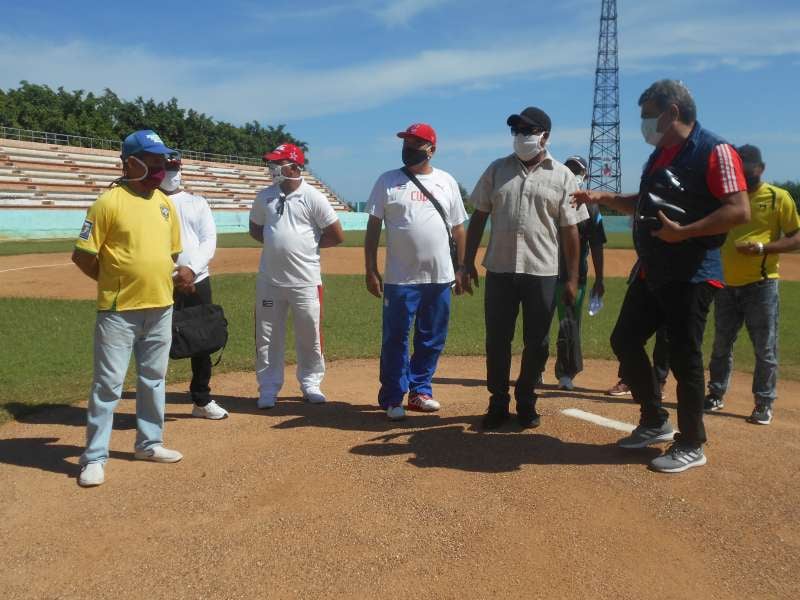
526, 130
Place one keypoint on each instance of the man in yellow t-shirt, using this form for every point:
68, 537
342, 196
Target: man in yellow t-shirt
128, 244
750, 266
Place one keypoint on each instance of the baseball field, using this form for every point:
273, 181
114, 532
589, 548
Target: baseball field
327, 501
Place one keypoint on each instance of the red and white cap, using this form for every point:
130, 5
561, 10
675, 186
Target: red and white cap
287, 152
422, 131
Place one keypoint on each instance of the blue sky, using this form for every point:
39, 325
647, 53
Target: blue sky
346, 75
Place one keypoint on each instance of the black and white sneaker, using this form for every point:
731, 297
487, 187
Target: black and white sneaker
712, 403
761, 415
679, 458
642, 436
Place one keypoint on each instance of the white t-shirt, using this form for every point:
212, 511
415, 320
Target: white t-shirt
198, 233
417, 249
290, 257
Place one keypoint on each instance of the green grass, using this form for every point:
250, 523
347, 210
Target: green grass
224, 240
46, 350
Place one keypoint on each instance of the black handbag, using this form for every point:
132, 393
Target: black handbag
440, 210
198, 331
570, 356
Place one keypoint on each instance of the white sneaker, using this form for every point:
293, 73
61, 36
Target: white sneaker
565, 383
266, 402
212, 411
314, 396
92, 474
396, 413
422, 403
159, 454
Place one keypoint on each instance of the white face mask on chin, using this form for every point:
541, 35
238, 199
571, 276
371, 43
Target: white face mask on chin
528, 147
172, 181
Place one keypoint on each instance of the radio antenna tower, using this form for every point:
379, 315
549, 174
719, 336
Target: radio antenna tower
604, 169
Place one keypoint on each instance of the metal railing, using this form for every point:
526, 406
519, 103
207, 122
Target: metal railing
63, 139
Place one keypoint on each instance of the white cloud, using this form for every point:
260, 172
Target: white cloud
400, 12
239, 91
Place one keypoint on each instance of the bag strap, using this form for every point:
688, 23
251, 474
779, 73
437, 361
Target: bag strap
430, 197
764, 259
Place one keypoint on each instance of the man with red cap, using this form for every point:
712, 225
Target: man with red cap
424, 215
293, 220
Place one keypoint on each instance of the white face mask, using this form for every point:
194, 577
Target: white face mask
172, 181
528, 147
579, 179
276, 172
650, 131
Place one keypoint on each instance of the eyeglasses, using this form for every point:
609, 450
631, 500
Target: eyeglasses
526, 130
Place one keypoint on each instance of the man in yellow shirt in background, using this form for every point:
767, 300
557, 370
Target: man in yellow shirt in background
128, 244
750, 266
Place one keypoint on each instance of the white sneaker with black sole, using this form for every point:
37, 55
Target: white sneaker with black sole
642, 436
314, 396
565, 383
212, 411
679, 458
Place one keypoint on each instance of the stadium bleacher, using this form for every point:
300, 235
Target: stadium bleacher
34, 174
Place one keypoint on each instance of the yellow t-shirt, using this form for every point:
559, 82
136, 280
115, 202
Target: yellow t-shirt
134, 239
772, 213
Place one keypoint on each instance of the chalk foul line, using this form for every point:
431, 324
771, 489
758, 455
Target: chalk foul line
598, 420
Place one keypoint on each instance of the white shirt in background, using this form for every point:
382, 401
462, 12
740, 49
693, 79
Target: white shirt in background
290, 257
198, 233
417, 248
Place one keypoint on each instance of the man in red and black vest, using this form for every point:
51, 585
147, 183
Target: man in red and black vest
692, 192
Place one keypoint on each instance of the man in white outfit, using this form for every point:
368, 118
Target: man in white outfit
293, 220
191, 277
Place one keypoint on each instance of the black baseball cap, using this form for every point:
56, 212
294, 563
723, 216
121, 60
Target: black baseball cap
579, 160
532, 116
750, 155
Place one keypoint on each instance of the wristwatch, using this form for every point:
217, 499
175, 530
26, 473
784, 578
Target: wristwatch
760, 247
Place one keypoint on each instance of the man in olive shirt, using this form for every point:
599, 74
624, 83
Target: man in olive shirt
527, 194
128, 244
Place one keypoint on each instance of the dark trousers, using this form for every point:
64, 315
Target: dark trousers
201, 365
660, 358
505, 293
682, 309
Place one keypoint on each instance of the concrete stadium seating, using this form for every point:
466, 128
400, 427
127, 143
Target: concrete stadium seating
34, 174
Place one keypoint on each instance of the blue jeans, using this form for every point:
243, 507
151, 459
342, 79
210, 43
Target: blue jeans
148, 333
755, 305
428, 306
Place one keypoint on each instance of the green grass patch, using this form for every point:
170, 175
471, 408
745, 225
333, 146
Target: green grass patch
47, 344
619, 240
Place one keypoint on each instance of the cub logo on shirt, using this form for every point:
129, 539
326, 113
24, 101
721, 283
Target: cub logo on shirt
165, 212
86, 230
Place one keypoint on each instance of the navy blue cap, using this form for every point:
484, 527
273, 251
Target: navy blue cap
579, 160
144, 140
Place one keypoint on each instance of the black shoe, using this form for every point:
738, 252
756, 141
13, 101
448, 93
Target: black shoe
527, 415
496, 415
762, 415
712, 403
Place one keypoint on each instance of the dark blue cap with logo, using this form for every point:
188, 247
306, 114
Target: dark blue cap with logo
144, 140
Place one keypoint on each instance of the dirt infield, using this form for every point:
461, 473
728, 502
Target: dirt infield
334, 501
54, 276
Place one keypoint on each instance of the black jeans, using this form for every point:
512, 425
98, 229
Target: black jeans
505, 292
660, 358
682, 308
201, 365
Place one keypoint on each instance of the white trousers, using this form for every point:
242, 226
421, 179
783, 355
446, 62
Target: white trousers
272, 306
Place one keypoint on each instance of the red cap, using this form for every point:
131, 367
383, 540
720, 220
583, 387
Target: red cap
289, 152
422, 131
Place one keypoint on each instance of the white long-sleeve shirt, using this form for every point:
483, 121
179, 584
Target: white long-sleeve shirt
198, 233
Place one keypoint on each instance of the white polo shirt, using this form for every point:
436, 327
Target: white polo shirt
292, 226
417, 248
198, 233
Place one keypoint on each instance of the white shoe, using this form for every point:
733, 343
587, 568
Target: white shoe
565, 383
314, 396
159, 454
212, 411
266, 402
422, 403
92, 474
396, 413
